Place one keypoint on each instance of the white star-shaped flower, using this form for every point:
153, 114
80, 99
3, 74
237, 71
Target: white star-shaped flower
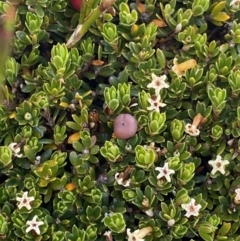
164, 172
158, 83
155, 103
191, 208
138, 235
34, 225
25, 201
192, 130
218, 165
120, 181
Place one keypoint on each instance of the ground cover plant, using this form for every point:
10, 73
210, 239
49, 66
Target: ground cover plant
119, 120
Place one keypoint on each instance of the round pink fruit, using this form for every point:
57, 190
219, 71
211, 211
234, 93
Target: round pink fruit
125, 126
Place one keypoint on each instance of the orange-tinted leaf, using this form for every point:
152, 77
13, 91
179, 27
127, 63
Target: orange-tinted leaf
73, 137
141, 8
70, 186
97, 62
159, 23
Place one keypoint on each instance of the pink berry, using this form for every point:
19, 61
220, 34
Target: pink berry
125, 126
76, 4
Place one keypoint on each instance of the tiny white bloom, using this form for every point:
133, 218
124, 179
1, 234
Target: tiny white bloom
237, 197
38, 158
34, 225
170, 222
155, 103
164, 172
108, 235
234, 2
25, 201
152, 147
191, 208
37, 161
138, 235
237, 191
149, 212
178, 28
158, 83
108, 214
120, 181
218, 165
16, 151
85, 151
192, 130
133, 236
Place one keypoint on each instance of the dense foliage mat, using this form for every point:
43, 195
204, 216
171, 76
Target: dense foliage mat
120, 120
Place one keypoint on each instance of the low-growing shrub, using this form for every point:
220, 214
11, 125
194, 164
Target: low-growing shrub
120, 120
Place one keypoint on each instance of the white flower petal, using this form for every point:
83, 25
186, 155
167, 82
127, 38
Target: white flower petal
34, 225
192, 130
133, 236
191, 208
25, 201
155, 103
158, 83
120, 181
28, 229
16, 151
234, 2
164, 172
149, 212
126, 183
218, 165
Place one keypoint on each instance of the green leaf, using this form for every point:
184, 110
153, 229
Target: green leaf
165, 208
224, 229
39, 11
73, 125
30, 154
218, 7
161, 58
205, 236
78, 146
221, 17
198, 10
